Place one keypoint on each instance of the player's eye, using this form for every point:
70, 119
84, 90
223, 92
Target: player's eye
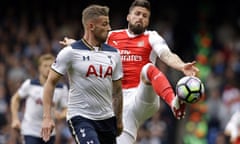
105, 24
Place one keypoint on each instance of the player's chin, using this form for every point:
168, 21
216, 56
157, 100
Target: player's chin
103, 38
138, 29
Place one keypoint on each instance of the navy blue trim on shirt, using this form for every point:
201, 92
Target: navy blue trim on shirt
37, 82
82, 46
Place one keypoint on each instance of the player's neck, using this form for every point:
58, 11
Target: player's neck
91, 41
91, 47
42, 80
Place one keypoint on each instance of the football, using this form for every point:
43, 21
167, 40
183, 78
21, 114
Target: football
190, 89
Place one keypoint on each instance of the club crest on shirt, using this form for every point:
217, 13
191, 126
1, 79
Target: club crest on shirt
115, 42
140, 44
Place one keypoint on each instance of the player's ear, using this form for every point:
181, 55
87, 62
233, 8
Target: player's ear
91, 26
128, 17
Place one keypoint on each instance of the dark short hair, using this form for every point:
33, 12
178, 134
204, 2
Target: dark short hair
140, 3
93, 12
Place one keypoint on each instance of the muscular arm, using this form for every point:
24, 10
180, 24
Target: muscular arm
49, 87
118, 103
174, 61
48, 123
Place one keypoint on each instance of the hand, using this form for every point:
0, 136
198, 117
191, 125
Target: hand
47, 128
67, 41
189, 69
16, 124
178, 108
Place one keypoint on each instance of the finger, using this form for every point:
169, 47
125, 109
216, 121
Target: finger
193, 62
196, 69
65, 38
45, 134
62, 42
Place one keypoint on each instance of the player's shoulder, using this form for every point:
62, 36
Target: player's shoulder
117, 32
154, 35
79, 45
35, 82
27, 82
151, 32
106, 47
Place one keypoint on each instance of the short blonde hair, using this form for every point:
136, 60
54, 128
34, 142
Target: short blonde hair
93, 12
45, 57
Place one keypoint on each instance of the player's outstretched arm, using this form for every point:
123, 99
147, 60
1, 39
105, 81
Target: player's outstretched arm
174, 61
118, 104
48, 122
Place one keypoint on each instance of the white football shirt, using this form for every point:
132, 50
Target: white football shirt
32, 92
90, 73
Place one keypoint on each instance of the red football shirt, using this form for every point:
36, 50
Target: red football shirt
136, 51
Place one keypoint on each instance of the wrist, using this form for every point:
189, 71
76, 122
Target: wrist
47, 116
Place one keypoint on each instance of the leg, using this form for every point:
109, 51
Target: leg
151, 74
83, 130
141, 103
107, 130
125, 138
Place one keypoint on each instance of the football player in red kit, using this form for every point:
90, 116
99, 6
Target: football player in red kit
142, 81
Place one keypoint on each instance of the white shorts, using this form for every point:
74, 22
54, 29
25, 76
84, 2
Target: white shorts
139, 104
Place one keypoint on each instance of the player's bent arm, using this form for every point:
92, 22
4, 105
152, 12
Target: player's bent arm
118, 103
15, 102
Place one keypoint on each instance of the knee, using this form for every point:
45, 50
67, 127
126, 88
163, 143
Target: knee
144, 75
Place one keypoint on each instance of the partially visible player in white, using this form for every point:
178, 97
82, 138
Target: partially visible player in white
32, 91
142, 81
233, 128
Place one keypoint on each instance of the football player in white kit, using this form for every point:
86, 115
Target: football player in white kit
32, 91
94, 71
232, 128
142, 81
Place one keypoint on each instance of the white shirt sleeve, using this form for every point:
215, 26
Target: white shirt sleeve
62, 60
233, 124
118, 72
23, 91
158, 43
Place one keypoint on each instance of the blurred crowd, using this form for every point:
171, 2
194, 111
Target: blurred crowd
215, 46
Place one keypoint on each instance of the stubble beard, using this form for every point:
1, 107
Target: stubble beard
136, 29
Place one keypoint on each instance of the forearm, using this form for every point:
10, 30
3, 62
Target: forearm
118, 105
47, 100
48, 91
172, 60
118, 100
15, 106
